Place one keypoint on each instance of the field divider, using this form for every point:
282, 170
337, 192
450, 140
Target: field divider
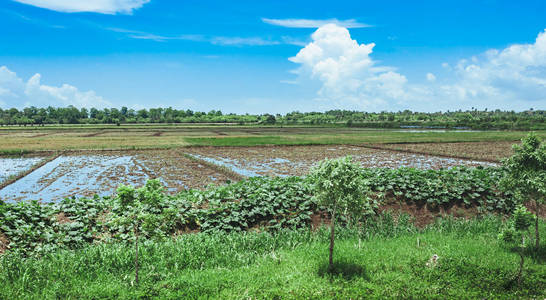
222, 169
32, 169
426, 153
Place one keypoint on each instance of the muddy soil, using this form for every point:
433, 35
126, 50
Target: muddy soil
487, 151
297, 160
101, 173
3, 243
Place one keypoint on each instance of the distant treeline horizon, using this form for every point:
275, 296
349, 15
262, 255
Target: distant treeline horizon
468, 119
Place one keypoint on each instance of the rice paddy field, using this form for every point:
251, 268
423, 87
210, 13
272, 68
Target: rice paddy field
55, 162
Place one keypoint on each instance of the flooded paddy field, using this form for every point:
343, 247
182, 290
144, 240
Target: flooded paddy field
86, 173
12, 166
297, 160
102, 172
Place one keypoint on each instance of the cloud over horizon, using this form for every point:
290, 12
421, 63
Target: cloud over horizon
511, 78
96, 6
15, 92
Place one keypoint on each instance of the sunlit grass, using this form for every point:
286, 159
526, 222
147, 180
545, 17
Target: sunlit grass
385, 260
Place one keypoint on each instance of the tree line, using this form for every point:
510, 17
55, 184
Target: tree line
469, 119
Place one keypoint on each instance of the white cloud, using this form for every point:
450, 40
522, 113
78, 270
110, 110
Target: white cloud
97, 6
512, 78
242, 41
308, 23
215, 40
14, 92
348, 74
517, 72
431, 77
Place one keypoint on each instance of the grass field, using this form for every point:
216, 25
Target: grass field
17, 140
384, 260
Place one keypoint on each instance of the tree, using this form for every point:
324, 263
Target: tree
526, 170
338, 185
269, 119
514, 233
142, 209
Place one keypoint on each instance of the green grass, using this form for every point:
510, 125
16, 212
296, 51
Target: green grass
316, 137
385, 260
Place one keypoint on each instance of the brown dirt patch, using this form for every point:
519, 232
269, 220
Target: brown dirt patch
93, 134
219, 133
159, 133
318, 219
41, 135
4, 243
485, 151
424, 214
62, 218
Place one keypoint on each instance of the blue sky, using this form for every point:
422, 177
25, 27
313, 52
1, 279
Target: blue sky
274, 56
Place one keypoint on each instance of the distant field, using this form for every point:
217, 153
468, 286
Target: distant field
71, 137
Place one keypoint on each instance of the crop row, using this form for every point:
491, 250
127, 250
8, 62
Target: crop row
260, 203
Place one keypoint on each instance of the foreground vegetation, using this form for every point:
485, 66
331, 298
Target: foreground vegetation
269, 204
474, 119
386, 258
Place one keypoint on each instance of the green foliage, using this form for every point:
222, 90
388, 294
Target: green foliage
286, 264
517, 226
526, 170
261, 204
526, 120
339, 182
472, 186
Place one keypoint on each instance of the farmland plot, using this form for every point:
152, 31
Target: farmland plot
489, 151
13, 166
296, 160
90, 174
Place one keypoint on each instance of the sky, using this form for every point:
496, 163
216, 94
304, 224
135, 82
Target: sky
274, 56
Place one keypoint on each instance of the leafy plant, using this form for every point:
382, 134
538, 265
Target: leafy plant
255, 204
514, 233
338, 185
526, 174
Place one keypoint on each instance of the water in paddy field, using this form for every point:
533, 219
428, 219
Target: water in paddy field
235, 165
13, 166
68, 176
87, 175
297, 161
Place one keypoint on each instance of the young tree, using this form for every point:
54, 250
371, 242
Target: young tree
514, 233
526, 173
141, 207
338, 185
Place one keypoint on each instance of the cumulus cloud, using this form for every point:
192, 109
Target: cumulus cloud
347, 72
97, 6
512, 78
308, 23
517, 72
15, 92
